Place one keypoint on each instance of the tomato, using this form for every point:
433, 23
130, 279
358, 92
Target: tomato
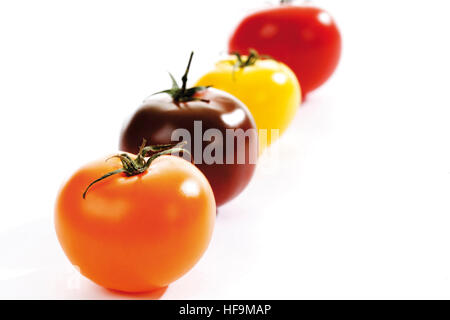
303, 37
135, 231
198, 111
268, 88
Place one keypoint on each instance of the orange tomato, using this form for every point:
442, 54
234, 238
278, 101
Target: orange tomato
136, 233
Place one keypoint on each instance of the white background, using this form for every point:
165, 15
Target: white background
358, 206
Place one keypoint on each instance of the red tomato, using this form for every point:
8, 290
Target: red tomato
303, 37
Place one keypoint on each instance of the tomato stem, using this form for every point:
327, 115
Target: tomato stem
140, 164
182, 94
252, 57
185, 76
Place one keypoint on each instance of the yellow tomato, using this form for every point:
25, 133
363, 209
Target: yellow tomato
269, 89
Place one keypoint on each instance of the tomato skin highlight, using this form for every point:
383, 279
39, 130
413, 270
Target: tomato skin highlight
305, 38
137, 233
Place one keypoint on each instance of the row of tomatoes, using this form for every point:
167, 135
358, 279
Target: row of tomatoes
143, 218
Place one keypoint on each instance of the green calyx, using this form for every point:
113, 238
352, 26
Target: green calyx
184, 94
252, 57
241, 63
140, 164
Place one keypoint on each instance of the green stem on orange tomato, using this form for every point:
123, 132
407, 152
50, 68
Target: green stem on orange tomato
139, 164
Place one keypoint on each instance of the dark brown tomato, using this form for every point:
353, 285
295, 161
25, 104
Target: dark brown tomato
159, 116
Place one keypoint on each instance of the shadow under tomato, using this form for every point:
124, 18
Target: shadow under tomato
150, 295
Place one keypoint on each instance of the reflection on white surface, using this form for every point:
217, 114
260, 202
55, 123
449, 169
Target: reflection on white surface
9, 274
